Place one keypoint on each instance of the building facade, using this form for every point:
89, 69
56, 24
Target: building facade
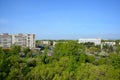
96, 41
109, 43
5, 40
45, 42
24, 40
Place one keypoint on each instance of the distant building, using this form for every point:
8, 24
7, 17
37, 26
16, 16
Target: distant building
109, 43
24, 40
45, 42
54, 43
96, 41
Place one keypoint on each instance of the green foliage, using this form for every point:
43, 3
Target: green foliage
94, 50
26, 50
68, 62
115, 60
2, 56
16, 49
68, 48
90, 59
118, 49
31, 63
102, 61
108, 48
29, 54
82, 58
89, 44
92, 72
45, 59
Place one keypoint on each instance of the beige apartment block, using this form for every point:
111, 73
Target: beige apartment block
24, 40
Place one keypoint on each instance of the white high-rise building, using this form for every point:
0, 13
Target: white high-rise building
96, 41
24, 40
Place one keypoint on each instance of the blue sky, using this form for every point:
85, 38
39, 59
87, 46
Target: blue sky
61, 19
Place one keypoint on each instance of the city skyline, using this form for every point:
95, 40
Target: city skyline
61, 19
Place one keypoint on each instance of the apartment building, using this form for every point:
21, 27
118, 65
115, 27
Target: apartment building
109, 43
96, 41
24, 40
5, 40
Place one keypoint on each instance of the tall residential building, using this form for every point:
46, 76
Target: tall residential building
5, 40
24, 40
96, 41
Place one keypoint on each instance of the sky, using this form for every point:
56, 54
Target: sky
61, 19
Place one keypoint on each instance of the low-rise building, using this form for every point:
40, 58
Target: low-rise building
45, 42
96, 41
109, 43
54, 43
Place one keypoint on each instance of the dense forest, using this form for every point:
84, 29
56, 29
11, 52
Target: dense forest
69, 61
